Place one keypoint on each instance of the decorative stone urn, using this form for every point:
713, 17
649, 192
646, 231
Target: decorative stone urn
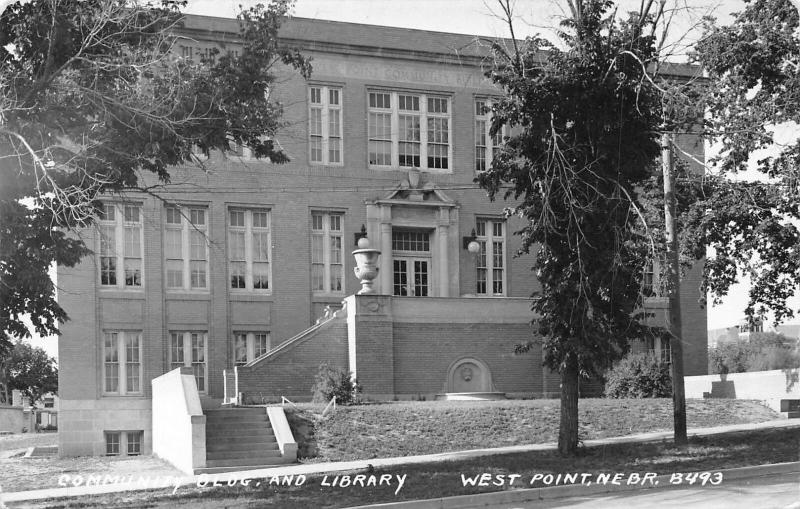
366, 268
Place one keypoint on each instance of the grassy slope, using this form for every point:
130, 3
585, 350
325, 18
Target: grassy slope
444, 479
409, 428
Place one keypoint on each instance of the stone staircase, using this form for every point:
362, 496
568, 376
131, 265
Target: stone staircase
240, 438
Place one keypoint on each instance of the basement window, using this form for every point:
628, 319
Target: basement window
124, 443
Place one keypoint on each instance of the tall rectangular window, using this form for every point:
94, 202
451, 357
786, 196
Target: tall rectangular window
327, 263
189, 349
120, 227
249, 249
491, 256
485, 144
248, 346
325, 125
186, 248
409, 130
122, 362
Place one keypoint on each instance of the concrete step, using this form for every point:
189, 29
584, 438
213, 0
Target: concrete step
791, 415
214, 445
240, 434
237, 468
263, 459
236, 418
260, 455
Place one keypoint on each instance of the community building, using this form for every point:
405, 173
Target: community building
242, 272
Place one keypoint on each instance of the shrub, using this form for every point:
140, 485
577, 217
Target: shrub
761, 352
729, 358
639, 376
335, 382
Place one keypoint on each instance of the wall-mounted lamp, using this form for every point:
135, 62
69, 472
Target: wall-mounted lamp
360, 235
471, 243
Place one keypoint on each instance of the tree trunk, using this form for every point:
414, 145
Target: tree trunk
568, 432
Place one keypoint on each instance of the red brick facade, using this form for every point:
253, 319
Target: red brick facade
404, 356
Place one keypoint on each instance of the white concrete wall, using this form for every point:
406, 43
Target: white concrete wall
768, 386
12, 419
179, 426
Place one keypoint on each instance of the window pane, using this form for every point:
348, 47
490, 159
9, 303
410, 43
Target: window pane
236, 245
261, 345
176, 350
337, 275
240, 349
237, 218
108, 271
131, 214
336, 223
316, 248
318, 277
111, 362
108, 240
315, 122
174, 273
316, 222
107, 212
133, 272
112, 444
198, 360
238, 275
134, 443
197, 271
400, 286
316, 95
420, 278
260, 246
173, 244
198, 245
333, 96
260, 219
260, 276
132, 362
173, 216
197, 217
333, 123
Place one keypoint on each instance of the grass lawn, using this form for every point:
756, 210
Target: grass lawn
706, 454
410, 428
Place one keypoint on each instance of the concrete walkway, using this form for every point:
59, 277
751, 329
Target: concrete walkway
145, 482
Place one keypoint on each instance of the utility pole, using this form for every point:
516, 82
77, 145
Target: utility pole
673, 289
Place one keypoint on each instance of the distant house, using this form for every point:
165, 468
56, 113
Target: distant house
240, 275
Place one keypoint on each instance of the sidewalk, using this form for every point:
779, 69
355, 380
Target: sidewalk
176, 482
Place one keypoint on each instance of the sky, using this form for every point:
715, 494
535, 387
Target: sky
480, 17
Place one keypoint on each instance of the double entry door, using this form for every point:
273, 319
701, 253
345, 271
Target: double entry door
411, 263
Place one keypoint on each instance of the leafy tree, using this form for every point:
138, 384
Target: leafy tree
29, 370
92, 98
762, 351
586, 120
752, 226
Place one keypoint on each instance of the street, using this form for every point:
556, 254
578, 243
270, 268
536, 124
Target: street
771, 491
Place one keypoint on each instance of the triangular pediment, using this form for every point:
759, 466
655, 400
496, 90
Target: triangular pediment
413, 190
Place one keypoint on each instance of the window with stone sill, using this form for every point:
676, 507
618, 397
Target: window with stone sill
122, 363
186, 248
407, 130
327, 262
248, 346
485, 144
190, 349
120, 246
325, 125
491, 261
249, 249
124, 443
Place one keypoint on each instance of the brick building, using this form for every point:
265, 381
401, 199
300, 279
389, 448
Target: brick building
246, 263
